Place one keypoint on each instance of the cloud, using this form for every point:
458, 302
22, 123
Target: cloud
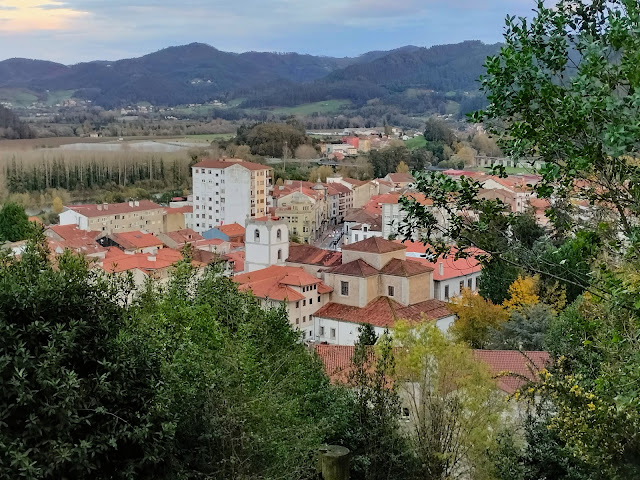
76, 30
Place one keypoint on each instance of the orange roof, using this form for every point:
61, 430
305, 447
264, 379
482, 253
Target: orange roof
275, 282
374, 245
228, 162
518, 364
354, 182
311, 255
451, 268
186, 235
356, 268
267, 218
72, 238
385, 312
237, 258
183, 210
118, 261
135, 239
232, 229
401, 177
35, 220
336, 360
404, 268
100, 210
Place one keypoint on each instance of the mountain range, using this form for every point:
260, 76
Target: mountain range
197, 73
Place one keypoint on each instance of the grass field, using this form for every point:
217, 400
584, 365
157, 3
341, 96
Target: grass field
58, 96
415, 143
17, 96
328, 106
204, 138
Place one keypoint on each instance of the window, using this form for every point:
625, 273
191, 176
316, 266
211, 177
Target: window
304, 319
311, 301
470, 283
355, 237
333, 333
318, 299
304, 303
298, 304
405, 412
390, 291
446, 292
279, 234
279, 254
256, 235
322, 331
298, 321
344, 288
461, 285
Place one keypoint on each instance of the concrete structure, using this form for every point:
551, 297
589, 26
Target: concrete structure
108, 218
228, 191
305, 212
266, 243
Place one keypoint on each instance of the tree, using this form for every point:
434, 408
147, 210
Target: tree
78, 399
402, 167
320, 173
367, 335
379, 449
522, 292
14, 223
452, 402
476, 318
57, 206
306, 152
526, 329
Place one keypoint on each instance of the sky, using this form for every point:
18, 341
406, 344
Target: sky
72, 31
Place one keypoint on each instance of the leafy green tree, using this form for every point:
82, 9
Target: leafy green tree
78, 400
14, 223
526, 329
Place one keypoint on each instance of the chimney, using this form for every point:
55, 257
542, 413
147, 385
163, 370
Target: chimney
105, 206
151, 258
136, 203
99, 208
441, 268
131, 203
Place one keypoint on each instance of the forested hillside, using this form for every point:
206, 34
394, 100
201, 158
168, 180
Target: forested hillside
198, 73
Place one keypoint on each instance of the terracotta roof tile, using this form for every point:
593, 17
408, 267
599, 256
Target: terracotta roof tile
401, 177
275, 282
186, 235
404, 268
118, 261
135, 239
519, 364
311, 255
232, 229
451, 268
100, 210
356, 268
384, 312
374, 245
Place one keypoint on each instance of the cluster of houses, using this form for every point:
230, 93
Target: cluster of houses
236, 216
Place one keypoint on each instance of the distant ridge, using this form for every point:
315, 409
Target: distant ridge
197, 73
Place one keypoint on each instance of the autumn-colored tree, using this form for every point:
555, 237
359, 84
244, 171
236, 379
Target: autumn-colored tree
321, 172
477, 318
522, 292
452, 402
57, 206
402, 168
306, 152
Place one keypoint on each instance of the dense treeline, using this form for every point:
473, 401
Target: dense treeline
34, 171
12, 127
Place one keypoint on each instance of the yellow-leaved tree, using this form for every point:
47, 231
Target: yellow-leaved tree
477, 318
402, 168
57, 206
453, 405
522, 292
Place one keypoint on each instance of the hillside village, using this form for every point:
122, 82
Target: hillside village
330, 251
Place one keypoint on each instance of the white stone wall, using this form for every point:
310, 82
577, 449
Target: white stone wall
263, 246
439, 287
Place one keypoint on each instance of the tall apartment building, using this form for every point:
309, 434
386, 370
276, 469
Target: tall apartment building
116, 217
228, 191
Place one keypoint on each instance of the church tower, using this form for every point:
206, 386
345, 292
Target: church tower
266, 242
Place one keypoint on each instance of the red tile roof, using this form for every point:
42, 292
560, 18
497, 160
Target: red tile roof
100, 210
356, 268
384, 312
237, 258
354, 182
228, 162
186, 235
232, 229
518, 364
275, 282
311, 255
135, 239
374, 245
337, 360
267, 218
63, 237
118, 261
404, 268
451, 268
